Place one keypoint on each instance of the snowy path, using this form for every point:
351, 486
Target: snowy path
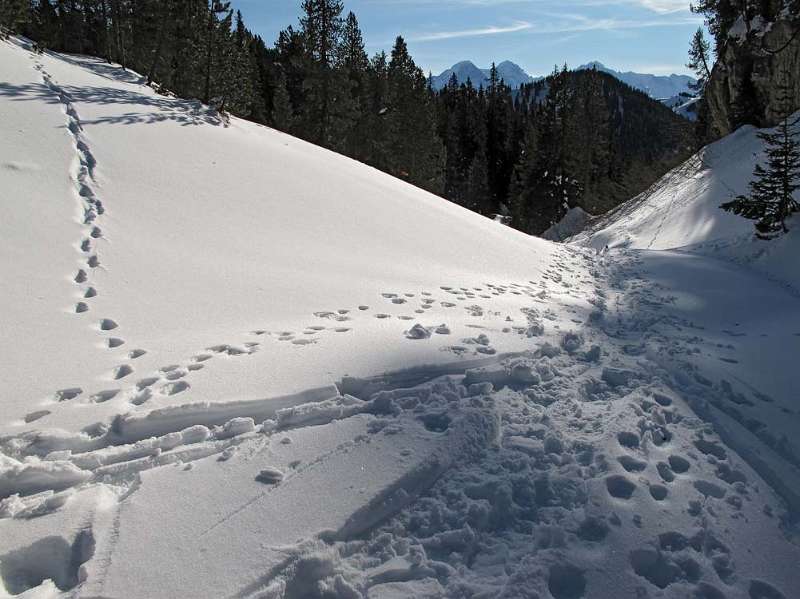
552, 471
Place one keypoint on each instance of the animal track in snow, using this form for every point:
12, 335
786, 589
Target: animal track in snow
67, 394
619, 486
107, 324
104, 396
34, 416
174, 388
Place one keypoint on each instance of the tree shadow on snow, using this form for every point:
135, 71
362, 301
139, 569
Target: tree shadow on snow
158, 109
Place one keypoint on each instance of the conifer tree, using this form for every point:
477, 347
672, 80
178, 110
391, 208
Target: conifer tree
282, 115
321, 25
771, 198
699, 59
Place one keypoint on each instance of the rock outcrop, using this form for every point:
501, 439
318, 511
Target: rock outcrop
745, 82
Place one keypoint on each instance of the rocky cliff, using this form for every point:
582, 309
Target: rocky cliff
745, 82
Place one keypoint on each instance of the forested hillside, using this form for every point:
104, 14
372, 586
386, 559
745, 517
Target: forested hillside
587, 140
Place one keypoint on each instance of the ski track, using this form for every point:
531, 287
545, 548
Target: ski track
583, 431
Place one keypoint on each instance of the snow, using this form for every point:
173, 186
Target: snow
240, 365
681, 212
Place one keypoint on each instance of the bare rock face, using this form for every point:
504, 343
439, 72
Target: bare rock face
745, 81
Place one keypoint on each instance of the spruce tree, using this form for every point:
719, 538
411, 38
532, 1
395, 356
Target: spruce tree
699, 59
771, 198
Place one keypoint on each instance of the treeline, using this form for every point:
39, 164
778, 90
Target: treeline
576, 138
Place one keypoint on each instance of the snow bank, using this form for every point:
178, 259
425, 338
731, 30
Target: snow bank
681, 212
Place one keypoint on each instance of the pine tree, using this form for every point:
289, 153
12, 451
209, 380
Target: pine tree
321, 28
13, 15
771, 198
282, 115
699, 59
353, 61
218, 26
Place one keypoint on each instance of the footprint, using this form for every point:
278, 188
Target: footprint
86, 245
96, 232
303, 341
628, 439
201, 357
104, 396
678, 464
398, 300
34, 416
665, 472
194, 367
93, 261
113, 342
566, 581
146, 382
709, 489
620, 487
174, 375
658, 492
80, 276
341, 329
67, 394
711, 448
631, 464
107, 325
174, 388
169, 368
141, 397
120, 372
362, 308
90, 292
81, 307
382, 316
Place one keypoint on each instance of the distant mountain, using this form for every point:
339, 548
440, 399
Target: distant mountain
655, 86
512, 74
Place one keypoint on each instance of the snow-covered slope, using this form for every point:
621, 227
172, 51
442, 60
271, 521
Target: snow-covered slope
681, 212
238, 365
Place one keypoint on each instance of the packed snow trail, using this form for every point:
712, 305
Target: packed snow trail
353, 388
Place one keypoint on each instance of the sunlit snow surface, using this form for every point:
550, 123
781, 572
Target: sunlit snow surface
237, 365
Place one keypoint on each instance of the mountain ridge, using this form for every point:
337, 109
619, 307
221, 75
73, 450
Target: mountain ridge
656, 86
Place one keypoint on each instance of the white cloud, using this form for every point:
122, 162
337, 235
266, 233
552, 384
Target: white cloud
491, 30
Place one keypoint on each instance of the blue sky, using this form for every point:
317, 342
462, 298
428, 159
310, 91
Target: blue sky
648, 36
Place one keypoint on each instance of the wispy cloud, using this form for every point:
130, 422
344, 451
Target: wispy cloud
560, 23
491, 30
657, 6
